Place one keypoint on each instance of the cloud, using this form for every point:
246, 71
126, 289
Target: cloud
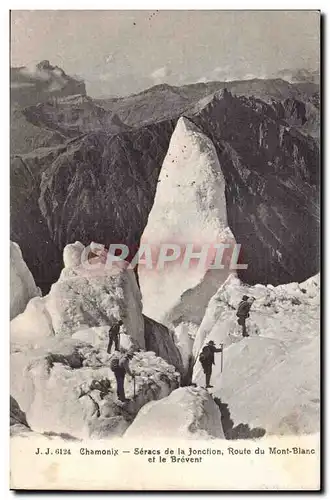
219, 73
160, 74
31, 71
227, 74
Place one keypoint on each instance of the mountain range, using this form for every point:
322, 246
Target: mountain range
87, 169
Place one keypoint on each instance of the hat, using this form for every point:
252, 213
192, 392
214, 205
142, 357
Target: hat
245, 297
211, 342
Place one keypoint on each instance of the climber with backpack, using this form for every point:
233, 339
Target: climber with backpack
206, 359
114, 333
243, 312
119, 364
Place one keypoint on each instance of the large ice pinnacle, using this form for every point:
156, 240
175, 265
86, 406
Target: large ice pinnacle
189, 207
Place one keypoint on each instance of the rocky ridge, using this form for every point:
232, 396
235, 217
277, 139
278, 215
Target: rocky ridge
77, 187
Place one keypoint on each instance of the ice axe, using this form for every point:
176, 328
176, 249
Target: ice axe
221, 358
134, 393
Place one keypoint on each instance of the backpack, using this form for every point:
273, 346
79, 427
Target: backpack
114, 363
205, 355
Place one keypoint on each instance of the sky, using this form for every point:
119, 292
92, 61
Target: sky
122, 52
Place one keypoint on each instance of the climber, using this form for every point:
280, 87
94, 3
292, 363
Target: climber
119, 364
206, 359
114, 333
243, 312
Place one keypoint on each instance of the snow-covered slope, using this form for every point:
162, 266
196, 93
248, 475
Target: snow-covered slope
285, 312
22, 285
271, 379
189, 208
66, 386
187, 413
86, 301
61, 375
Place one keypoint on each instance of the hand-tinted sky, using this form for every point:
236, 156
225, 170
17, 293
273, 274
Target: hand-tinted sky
120, 52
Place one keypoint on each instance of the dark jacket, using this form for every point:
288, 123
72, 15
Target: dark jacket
114, 331
243, 309
209, 351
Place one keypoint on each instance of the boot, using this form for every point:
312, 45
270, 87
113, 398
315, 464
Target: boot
244, 333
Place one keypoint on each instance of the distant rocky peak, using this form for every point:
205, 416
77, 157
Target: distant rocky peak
300, 75
31, 85
45, 64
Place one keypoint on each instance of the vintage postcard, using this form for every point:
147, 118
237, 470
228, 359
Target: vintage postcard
165, 250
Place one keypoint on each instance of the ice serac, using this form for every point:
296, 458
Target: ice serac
83, 297
185, 334
189, 209
22, 285
65, 386
283, 351
61, 375
72, 254
187, 413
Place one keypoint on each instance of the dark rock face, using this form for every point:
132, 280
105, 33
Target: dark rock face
73, 116
98, 187
30, 89
25, 137
295, 110
95, 176
272, 179
27, 225
159, 340
17, 416
102, 188
163, 102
